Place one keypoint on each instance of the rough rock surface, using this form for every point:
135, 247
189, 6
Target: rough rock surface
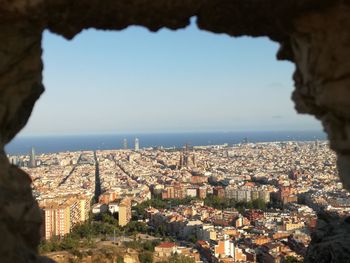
314, 34
103, 253
321, 48
20, 87
331, 241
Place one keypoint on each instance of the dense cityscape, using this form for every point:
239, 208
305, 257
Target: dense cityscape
249, 202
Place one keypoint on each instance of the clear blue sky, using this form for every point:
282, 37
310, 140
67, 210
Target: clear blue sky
169, 81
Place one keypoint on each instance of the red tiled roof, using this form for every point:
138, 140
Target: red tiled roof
166, 245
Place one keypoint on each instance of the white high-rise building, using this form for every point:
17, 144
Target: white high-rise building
229, 247
32, 158
125, 144
225, 247
137, 145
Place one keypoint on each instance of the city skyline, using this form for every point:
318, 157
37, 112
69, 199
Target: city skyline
182, 81
229, 203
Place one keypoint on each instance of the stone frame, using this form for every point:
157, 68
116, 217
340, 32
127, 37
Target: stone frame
313, 34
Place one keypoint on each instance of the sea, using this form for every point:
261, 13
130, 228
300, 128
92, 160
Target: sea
51, 144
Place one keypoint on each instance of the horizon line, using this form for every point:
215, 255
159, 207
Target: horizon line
163, 132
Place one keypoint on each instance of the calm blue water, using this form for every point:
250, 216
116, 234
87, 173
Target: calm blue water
49, 144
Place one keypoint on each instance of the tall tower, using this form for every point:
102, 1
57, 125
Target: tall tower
32, 159
137, 145
186, 157
317, 145
125, 144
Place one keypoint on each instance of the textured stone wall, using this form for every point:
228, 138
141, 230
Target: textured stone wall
20, 87
314, 34
321, 48
320, 44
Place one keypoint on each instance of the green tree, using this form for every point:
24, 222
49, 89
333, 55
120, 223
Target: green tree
291, 259
224, 203
179, 259
249, 205
146, 257
84, 230
149, 245
69, 243
192, 238
259, 204
108, 218
136, 227
49, 245
160, 230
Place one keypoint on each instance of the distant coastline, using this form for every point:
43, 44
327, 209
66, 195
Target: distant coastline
51, 144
